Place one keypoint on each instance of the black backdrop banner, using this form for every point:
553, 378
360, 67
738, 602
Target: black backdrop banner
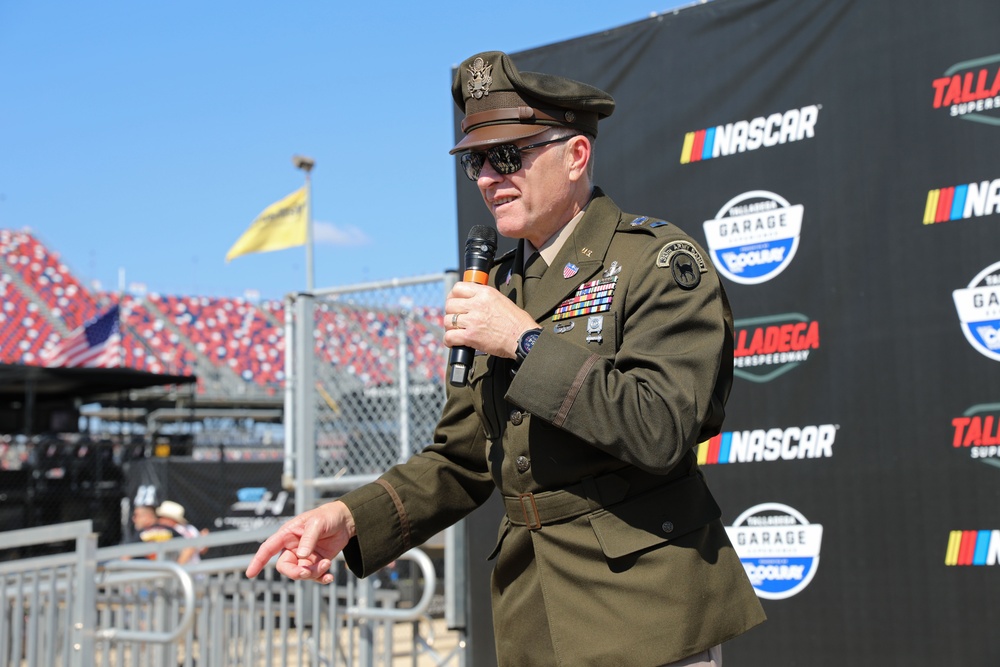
217, 495
839, 160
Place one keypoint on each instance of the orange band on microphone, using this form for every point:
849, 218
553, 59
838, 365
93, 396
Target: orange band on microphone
475, 276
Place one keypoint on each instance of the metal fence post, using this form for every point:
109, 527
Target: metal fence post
288, 465
85, 602
456, 589
405, 449
304, 429
303, 398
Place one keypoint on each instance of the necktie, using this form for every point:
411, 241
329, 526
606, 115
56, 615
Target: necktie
534, 267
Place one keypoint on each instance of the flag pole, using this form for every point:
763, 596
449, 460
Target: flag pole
306, 164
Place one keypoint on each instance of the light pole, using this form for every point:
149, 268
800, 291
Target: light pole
306, 164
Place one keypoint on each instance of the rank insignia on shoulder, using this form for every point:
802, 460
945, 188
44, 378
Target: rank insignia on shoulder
685, 263
658, 223
638, 221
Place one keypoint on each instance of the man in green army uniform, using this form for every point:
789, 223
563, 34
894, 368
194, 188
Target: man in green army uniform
597, 379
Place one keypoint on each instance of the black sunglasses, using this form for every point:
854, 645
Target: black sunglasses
504, 158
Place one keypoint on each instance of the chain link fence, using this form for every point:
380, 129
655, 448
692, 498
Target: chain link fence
367, 378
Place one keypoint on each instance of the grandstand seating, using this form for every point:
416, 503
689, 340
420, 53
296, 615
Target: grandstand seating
24, 329
157, 349
194, 334
65, 297
230, 332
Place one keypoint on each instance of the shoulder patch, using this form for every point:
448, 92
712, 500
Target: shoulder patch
684, 261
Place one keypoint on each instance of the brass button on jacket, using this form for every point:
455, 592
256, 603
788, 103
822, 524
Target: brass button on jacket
516, 417
522, 463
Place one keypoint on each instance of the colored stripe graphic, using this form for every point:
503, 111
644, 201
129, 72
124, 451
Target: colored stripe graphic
982, 548
686, 149
702, 453
973, 547
944, 204
706, 153
725, 441
931, 208
954, 542
715, 450
698, 145
958, 204
968, 547
708, 451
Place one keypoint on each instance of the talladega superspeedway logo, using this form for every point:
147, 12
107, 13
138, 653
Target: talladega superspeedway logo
769, 346
754, 236
978, 431
778, 547
970, 90
978, 307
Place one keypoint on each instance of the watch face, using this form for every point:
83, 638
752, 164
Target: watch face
528, 341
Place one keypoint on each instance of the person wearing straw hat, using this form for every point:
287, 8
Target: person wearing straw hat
606, 344
171, 514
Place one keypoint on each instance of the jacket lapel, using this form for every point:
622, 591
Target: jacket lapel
585, 249
512, 289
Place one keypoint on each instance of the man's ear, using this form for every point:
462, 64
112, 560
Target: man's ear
578, 154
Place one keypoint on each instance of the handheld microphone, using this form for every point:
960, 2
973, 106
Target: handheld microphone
480, 249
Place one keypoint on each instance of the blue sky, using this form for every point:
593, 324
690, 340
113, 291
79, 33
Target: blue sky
144, 137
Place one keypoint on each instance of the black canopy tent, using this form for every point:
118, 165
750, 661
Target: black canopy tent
28, 393
69, 477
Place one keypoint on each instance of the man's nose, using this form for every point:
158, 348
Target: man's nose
488, 175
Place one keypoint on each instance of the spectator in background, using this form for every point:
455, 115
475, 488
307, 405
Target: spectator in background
171, 514
143, 516
148, 528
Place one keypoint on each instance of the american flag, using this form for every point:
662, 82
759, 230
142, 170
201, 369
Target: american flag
96, 345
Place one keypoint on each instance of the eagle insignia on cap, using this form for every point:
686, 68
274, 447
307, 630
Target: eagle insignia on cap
482, 79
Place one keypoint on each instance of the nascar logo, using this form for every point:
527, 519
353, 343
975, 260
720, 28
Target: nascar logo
749, 135
973, 547
789, 444
754, 236
962, 202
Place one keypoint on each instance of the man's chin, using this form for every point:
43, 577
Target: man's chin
511, 229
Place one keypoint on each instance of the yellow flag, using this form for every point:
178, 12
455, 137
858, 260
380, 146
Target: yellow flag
280, 225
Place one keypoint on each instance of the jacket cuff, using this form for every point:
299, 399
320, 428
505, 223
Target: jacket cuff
378, 541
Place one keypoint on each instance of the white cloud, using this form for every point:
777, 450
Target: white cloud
328, 233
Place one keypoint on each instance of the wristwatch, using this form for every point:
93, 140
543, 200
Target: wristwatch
525, 343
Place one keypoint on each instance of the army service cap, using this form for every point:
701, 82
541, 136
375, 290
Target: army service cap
502, 104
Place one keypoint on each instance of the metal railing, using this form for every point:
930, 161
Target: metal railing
129, 605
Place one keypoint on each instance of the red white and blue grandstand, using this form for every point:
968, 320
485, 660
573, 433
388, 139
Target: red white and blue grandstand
234, 345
